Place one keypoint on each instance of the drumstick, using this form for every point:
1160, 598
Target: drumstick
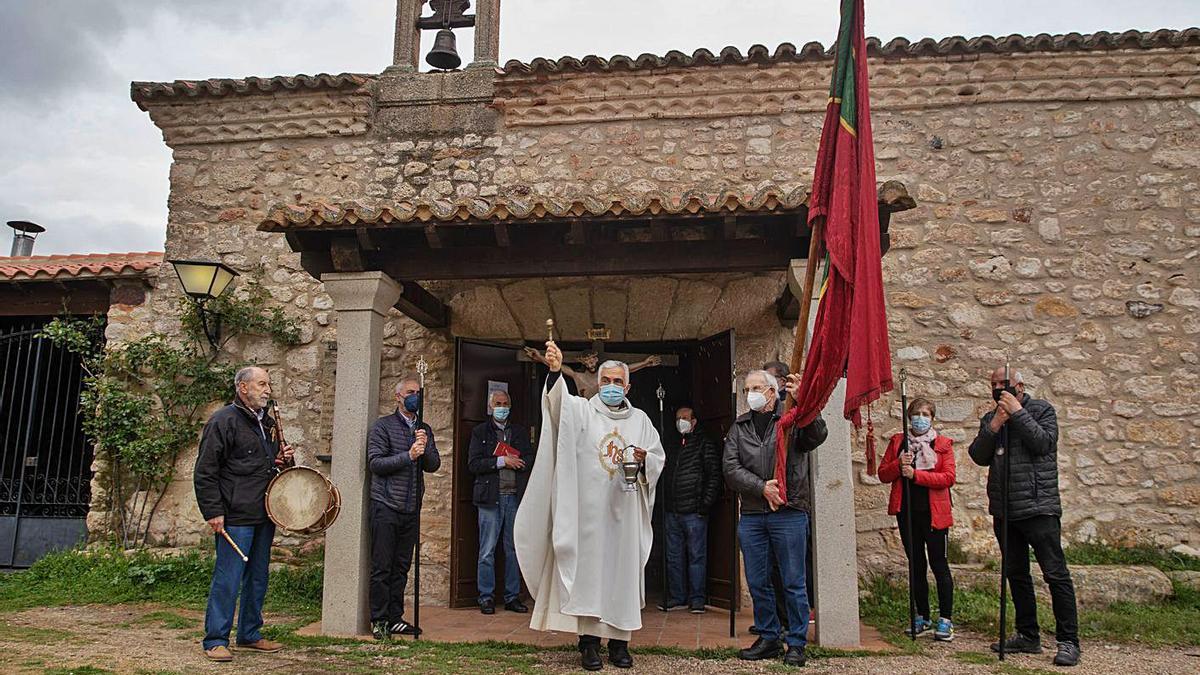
234, 545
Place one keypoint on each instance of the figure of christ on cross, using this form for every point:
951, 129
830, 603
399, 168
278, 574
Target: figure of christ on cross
585, 379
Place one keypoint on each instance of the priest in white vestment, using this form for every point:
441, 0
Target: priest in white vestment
583, 532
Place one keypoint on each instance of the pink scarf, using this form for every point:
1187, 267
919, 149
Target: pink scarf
925, 456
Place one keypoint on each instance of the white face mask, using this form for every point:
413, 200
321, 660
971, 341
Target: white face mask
684, 426
756, 400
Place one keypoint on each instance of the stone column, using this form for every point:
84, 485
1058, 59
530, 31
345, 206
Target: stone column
406, 56
487, 34
361, 301
835, 550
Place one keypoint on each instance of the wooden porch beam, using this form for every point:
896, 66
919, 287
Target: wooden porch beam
422, 306
431, 236
501, 231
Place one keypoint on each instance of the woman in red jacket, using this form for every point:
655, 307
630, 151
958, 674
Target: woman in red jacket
928, 460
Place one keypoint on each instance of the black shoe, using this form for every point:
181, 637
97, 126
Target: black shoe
488, 606
671, 607
696, 608
761, 649
753, 630
1019, 644
1068, 654
618, 654
794, 657
380, 630
589, 657
403, 627
516, 606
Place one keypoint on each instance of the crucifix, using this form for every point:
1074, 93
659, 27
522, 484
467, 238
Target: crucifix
585, 376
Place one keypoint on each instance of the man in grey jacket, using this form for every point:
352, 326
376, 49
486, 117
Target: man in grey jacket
1034, 509
773, 526
398, 452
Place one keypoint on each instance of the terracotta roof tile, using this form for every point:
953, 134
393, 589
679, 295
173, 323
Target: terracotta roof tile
537, 207
894, 49
79, 266
145, 91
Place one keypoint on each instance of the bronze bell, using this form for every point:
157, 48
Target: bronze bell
444, 56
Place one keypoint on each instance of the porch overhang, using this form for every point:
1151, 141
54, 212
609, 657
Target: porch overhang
543, 236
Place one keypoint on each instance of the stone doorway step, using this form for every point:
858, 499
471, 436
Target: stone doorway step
662, 629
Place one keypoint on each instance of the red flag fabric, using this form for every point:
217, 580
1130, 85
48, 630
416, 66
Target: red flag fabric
850, 332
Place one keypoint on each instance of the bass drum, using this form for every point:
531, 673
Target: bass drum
302, 500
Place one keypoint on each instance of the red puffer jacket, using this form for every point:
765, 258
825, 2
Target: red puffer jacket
939, 480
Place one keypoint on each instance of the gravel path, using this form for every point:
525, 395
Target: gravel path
132, 638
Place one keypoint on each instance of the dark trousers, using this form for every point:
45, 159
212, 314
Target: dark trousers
777, 582
231, 577
393, 537
594, 641
1043, 534
687, 533
926, 539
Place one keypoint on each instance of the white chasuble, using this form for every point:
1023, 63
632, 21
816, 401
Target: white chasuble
582, 540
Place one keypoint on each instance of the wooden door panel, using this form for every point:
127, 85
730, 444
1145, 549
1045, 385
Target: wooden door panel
715, 408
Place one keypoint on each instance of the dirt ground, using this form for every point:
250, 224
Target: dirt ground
149, 639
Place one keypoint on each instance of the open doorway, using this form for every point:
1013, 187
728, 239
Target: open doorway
702, 377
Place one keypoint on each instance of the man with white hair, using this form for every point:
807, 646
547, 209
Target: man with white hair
240, 451
500, 457
583, 531
773, 526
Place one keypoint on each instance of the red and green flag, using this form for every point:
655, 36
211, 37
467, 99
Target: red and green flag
850, 332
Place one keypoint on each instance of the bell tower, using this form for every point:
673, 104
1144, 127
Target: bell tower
445, 16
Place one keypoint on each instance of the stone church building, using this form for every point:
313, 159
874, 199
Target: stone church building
1040, 198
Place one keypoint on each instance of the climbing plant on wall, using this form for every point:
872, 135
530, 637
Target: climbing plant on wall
142, 398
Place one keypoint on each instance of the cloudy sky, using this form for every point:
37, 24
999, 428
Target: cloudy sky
78, 157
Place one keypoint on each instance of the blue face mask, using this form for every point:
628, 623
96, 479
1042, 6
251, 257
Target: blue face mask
612, 394
411, 401
920, 423
500, 414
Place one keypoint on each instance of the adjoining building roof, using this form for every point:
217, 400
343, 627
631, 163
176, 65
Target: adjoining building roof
79, 266
897, 48
892, 195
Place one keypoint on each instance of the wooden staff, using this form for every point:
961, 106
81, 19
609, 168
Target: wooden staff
279, 435
908, 527
815, 250
422, 368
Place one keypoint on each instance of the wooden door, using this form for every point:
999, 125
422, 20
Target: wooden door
716, 408
477, 363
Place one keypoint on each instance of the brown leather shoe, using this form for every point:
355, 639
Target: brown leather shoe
262, 646
220, 653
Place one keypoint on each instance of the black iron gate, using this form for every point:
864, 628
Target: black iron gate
45, 460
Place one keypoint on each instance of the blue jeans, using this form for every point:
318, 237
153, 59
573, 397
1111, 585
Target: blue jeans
494, 522
783, 536
687, 531
230, 575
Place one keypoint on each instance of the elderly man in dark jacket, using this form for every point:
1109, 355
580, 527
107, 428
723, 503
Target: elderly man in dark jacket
691, 483
398, 451
1034, 510
239, 452
772, 525
500, 481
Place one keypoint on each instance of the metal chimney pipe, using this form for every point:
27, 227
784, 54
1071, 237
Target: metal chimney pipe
24, 234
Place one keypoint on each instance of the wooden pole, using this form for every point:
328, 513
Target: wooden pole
815, 249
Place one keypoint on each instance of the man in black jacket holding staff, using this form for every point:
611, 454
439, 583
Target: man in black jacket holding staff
1034, 510
239, 454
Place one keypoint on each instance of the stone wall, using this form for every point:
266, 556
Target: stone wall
1053, 229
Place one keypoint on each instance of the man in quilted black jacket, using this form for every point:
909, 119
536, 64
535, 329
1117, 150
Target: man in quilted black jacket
691, 484
1034, 510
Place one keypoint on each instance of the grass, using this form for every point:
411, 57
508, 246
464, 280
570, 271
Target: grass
109, 576
167, 620
1173, 622
13, 633
1097, 554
